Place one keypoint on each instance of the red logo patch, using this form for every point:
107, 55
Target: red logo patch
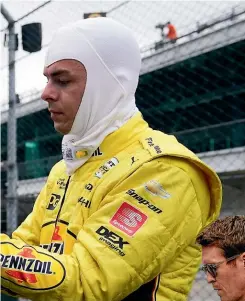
21, 276
56, 235
128, 219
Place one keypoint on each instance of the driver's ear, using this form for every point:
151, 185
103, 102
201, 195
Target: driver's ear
243, 259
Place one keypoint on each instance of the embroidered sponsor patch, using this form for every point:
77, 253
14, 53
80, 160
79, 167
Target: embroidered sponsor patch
143, 201
112, 239
80, 153
153, 145
54, 201
155, 188
89, 187
84, 202
106, 167
57, 245
29, 268
128, 219
61, 183
97, 152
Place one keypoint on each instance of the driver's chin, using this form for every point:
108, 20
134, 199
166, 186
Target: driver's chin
223, 296
62, 128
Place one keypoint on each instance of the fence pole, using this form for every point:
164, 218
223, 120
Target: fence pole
12, 173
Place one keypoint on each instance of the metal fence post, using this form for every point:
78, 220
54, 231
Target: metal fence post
12, 174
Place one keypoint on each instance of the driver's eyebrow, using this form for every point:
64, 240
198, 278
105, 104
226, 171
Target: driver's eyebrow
209, 262
214, 262
57, 73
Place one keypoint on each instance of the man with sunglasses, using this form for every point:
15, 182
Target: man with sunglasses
223, 253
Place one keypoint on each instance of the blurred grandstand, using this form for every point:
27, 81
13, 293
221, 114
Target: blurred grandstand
194, 89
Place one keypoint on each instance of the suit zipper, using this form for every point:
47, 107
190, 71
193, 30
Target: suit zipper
62, 201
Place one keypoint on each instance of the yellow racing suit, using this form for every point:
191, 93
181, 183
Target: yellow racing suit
122, 227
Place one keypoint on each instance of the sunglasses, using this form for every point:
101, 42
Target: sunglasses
211, 268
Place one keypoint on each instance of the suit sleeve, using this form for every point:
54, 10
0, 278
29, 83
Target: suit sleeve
141, 227
29, 230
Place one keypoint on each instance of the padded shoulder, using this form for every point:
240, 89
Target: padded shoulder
159, 144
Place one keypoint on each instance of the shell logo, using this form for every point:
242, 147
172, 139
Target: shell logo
155, 188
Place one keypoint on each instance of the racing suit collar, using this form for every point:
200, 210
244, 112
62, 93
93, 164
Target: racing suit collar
121, 138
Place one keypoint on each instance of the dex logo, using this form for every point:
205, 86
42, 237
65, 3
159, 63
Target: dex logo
113, 240
53, 202
112, 237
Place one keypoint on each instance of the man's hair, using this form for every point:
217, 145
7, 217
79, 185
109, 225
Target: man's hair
226, 233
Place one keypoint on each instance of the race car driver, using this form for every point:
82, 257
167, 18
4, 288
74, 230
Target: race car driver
119, 215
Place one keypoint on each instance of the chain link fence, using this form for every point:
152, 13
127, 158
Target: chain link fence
194, 89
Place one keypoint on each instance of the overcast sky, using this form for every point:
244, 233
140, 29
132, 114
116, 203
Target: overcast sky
140, 16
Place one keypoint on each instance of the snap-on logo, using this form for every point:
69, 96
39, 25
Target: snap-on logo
143, 201
128, 219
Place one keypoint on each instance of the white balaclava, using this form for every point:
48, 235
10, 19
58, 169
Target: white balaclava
111, 57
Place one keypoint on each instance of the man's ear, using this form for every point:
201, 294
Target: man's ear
243, 259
